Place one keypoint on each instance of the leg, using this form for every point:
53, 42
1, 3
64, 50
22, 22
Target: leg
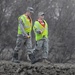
29, 46
19, 44
36, 55
39, 45
45, 49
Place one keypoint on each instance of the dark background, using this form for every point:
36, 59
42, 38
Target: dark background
60, 15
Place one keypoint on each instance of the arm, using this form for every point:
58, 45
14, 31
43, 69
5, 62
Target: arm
22, 28
46, 28
36, 28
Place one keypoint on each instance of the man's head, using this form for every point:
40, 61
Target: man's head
29, 10
41, 15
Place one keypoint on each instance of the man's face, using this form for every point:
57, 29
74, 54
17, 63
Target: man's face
29, 13
42, 16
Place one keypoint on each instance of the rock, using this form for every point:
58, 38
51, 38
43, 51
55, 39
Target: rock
29, 72
6, 54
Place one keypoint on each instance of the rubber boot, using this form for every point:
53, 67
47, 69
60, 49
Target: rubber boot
33, 57
28, 58
44, 60
15, 57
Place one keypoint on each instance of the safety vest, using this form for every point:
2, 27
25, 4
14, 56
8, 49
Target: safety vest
27, 24
38, 27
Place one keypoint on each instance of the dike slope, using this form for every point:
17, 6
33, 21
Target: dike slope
25, 68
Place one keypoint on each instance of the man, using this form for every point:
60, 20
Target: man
41, 36
24, 33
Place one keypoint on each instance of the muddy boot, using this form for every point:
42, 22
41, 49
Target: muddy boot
28, 58
33, 57
45, 61
15, 57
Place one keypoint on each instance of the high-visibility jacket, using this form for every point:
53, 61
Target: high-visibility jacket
27, 24
38, 27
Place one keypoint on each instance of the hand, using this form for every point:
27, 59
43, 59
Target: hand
28, 36
39, 32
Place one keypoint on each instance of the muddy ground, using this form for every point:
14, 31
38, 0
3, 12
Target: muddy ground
25, 68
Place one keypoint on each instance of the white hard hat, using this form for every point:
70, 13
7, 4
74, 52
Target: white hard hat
40, 13
30, 9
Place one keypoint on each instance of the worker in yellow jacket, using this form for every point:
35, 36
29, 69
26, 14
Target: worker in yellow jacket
24, 33
41, 36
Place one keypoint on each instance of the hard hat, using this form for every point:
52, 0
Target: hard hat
30, 9
40, 13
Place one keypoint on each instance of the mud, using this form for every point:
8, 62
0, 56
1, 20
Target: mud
26, 68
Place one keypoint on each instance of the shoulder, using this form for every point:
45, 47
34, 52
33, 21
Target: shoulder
45, 21
20, 17
36, 22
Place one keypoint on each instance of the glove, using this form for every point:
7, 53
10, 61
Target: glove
28, 36
39, 32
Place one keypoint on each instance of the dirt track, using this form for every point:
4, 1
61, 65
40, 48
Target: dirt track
24, 68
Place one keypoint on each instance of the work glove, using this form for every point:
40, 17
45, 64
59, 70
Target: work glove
39, 32
28, 36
